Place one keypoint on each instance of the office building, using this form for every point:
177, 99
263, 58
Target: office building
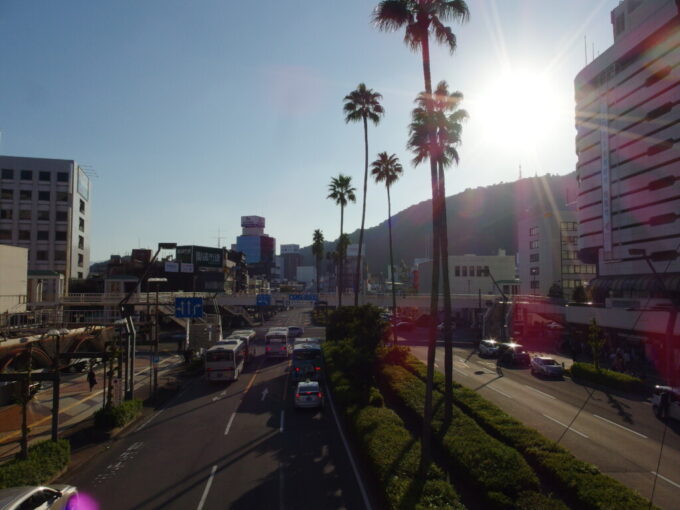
13, 279
547, 253
291, 259
258, 247
45, 207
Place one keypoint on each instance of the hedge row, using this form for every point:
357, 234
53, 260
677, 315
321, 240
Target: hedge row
391, 453
609, 378
494, 470
45, 460
117, 416
578, 483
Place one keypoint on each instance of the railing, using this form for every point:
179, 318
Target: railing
138, 298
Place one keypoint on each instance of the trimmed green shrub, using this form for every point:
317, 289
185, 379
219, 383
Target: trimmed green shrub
578, 483
117, 416
45, 460
616, 380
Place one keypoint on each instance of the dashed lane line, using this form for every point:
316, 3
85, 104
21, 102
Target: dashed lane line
621, 426
540, 392
566, 426
501, 392
231, 420
668, 480
207, 488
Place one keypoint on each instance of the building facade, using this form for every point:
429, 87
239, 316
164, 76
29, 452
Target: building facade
291, 259
258, 247
45, 207
13, 279
547, 254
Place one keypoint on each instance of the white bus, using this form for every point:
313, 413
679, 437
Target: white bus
276, 343
247, 336
224, 362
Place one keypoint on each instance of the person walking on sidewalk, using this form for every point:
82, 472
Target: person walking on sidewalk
499, 368
91, 378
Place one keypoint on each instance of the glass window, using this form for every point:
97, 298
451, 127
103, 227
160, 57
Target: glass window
81, 224
533, 231
7, 194
5, 234
464, 270
24, 235
7, 173
80, 275
41, 255
535, 284
25, 194
6, 214
533, 244
59, 255
533, 257
457, 271
43, 235
43, 215
82, 206
81, 260
62, 176
472, 271
62, 215
60, 235
62, 196
479, 271
25, 214
27, 175
45, 176
44, 195
486, 270
534, 270
81, 242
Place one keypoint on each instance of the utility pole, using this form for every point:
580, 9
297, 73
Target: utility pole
56, 384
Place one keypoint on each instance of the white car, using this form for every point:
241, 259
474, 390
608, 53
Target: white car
308, 395
56, 497
548, 367
673, 403
489, 347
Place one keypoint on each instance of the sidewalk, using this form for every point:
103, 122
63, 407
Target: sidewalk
76, 404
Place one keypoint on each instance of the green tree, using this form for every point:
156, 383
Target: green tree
342, 192
387, 169
419, 18
317, 251
579, 295
595, 342
555, 291
362, 105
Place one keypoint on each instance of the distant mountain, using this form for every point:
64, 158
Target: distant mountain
480, 221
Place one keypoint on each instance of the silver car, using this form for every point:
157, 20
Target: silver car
488, 347
546, 366
56, 497
308, 395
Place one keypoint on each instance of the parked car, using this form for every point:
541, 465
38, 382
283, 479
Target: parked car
308, 395
56, 497
295, 331
404, 326
488, 348
668, 396
514, 354
548, 367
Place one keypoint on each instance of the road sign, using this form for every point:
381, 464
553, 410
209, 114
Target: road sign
263, 300
303, 297
188, 308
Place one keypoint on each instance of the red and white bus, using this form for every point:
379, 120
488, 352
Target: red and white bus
224, 362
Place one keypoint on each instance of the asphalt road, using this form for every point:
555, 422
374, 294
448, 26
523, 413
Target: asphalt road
618, 434
240, 445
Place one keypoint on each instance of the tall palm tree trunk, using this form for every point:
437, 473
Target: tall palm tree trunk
394, 290
448, 346
318, 275
340, 257
426, 452
357, 278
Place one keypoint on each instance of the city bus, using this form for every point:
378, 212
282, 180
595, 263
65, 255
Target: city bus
224, 362
276, 343
247, 336
306, 361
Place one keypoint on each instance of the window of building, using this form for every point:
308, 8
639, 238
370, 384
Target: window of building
45, 176
533, 231
59, 255
25, 214
81, 260
533, 257
60, 235
81, 224
80, 275
27, 175
464, 270
25, 194
81, 242
486, 270
7, 194
24, 235
62, 176
5, 234
62, 196
41, 255
44, 196
43, 235
62, 215
533, 245
534, 270
535, 284
479, 271
82, 205
43, 215
472, 271
457, 271
619, 24
6, 214
7, 173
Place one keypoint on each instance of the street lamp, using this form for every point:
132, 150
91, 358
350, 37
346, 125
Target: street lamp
56, 334
154, 385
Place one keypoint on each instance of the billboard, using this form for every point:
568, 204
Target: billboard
200, 256
83, 184
252, 221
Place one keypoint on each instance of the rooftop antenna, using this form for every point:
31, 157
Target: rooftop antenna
219, 239
593, 50
585, 49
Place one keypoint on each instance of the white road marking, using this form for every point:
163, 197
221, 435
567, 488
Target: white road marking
231, 420
282, 415
666, 479
499, 391
459, 371
148, 421
436, 365
566, 426
621, 426
539, 391
207, 487
265, 392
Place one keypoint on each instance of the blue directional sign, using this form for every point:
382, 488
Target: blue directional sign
263, 300
188, 308
303, 297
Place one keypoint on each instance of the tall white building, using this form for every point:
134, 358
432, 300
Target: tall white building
45, 207
628, 147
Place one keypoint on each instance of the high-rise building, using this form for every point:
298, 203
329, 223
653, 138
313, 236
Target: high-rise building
292, 259
628, 142
257, 246
45, 207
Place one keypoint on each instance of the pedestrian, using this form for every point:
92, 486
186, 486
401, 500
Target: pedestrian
499, 368
664, 404
91, 378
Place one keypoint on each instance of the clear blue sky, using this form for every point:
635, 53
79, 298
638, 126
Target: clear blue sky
195, 113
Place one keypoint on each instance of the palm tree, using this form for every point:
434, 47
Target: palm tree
317, 251
387, 169
362, 104
341, 190
419, 18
